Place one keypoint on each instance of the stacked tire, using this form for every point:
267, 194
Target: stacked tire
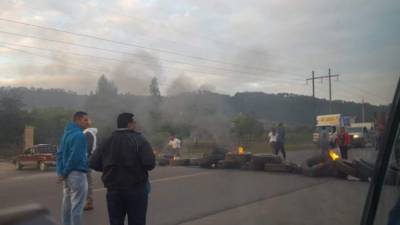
319, 166
179, 162
235, 161
258, 161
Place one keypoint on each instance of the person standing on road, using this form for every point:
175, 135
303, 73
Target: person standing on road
125, 159
280, 141
175, 144
272, 138
72, 166
324, 142
91, 135
343, 141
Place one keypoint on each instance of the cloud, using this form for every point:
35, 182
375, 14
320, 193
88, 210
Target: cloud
357, 39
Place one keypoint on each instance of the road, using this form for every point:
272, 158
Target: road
184, 195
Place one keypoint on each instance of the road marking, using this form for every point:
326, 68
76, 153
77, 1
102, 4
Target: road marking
165, 179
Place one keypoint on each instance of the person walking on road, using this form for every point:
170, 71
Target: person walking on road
343, 141
91, 135
280, 141
125, 159
72, 166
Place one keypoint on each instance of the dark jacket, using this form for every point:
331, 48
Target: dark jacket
281, 134
125, 159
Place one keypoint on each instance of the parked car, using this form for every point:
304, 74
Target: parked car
40, 156
359, 137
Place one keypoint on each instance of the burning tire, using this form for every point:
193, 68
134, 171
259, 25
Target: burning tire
258, 161
209, 160
320, 166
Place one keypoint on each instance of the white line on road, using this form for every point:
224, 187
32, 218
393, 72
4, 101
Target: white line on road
165, 179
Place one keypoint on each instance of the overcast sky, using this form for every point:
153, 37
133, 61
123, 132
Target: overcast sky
225, 46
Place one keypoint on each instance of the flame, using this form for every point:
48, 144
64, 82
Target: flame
241, 150
334, 156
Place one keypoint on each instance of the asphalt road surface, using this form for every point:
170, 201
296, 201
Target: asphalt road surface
184, 195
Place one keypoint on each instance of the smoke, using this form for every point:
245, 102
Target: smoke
181, 84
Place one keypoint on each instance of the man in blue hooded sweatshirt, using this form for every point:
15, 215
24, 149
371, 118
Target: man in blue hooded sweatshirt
72, 166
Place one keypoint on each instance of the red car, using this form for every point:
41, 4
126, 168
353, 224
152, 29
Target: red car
40, 156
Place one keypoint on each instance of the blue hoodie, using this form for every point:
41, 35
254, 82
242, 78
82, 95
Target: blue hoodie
72, 153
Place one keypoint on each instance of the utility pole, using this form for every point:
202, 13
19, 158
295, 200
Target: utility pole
329, 77
363, 111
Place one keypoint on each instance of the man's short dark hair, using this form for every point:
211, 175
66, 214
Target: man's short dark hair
124, 119
79, 115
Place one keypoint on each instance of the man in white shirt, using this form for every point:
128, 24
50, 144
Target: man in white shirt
175, 144
272, 139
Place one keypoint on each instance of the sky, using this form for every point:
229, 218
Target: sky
218, 45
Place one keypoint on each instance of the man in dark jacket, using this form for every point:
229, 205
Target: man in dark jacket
125, 159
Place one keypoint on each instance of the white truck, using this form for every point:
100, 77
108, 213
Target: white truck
331, 123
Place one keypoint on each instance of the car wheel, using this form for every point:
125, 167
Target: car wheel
18, 165
42, 166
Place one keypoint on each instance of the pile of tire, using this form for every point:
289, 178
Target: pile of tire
163, 161
195, 161
179, 162
235, 161
258, 161
284, 166
319, 166
210, 160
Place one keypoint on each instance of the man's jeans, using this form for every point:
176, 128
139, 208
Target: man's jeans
75, 191
132, 202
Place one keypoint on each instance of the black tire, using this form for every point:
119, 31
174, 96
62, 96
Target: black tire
258, 161
18, 165
348, 168
195, 162
163, 162
283, 167
365, 170
179, 162
314, 166
325, 169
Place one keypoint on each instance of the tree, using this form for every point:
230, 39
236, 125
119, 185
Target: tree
106, 87
49, 124
12, 118
246, 129
154, 89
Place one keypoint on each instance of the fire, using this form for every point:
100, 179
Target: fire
241, 150
334, 156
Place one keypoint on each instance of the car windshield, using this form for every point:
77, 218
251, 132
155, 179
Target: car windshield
355, 130
46, 149
198, 112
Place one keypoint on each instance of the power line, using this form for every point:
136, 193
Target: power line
132, 54
175, 30
123, 43
132, 62
288, 82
